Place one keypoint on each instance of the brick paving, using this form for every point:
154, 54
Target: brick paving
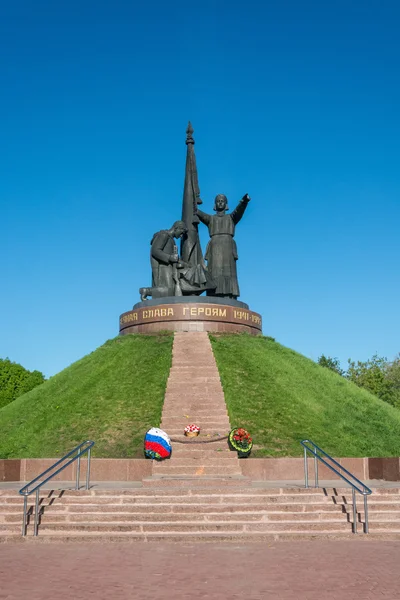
317, 570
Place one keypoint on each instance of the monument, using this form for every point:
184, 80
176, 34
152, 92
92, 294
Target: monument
178, 280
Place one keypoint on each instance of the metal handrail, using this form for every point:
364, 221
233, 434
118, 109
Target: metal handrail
361, 488
80, 450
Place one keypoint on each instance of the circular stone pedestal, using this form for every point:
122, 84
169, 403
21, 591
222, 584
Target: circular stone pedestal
190, 313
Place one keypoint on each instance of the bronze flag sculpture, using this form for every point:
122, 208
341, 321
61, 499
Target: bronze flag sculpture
188, 275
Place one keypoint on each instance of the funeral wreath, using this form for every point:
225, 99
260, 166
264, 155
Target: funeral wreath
241, 441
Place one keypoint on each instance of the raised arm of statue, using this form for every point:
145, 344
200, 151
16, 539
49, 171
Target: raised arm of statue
158, 245
204, 217
238, 213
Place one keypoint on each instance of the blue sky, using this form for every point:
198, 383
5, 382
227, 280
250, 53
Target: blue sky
294, 103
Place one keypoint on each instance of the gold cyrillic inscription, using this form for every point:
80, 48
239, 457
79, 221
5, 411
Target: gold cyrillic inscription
129, 318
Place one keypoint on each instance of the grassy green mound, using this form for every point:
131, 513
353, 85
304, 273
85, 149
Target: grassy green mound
281, 397
116, 393
112, 396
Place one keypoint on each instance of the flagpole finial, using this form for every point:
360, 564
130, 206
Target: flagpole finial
189, 134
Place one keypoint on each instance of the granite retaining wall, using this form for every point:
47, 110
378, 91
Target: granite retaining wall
267, 469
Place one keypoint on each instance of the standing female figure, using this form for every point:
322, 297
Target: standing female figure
221, 253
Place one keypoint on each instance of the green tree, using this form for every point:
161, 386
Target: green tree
373, 376
330, 363
15, 380
393, 376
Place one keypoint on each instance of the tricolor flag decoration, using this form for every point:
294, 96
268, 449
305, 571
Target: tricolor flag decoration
157, 444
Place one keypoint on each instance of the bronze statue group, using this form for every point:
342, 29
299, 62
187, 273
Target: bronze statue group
172, 276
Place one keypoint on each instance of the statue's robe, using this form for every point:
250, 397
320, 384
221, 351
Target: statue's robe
221, 253
162, 247
167, 278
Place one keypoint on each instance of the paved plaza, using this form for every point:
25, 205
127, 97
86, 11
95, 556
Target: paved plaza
314, 570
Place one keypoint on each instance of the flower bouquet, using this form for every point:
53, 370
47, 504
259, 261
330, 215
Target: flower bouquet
241, 441
192, 430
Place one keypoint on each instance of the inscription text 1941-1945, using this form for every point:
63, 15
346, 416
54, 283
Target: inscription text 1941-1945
245, 315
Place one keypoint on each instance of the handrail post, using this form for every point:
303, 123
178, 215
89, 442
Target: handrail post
78, 469
315, 466
357, 486
24, 516
354, 511
305, 469
30, 488
366, 525
35, 531
88, 469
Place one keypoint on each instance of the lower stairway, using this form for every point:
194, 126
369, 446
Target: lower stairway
198, 514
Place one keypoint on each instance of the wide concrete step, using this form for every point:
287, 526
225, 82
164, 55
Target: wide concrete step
7, 528
193, 527
182, 461
372, 500
372, 506
338, 492
187, 358
395, 491
205, 432
204, 419
339, 489
184, 419
197, 470
392, 516
140, 491
182, 360
11, 508
173, 502
189, 405
66, 516
178, 427
384, 526
200, 413
197, 349
206, 493
193, 379
197, 394
204, 482
194, 371
201, 452
190, 504
201, 442
193, 382
186, 537
219, 489
189, 411
200, 401
214, 490
273, 512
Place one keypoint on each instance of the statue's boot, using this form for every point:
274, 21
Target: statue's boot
144, 292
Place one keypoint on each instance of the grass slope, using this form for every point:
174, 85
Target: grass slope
281, 397
112, 396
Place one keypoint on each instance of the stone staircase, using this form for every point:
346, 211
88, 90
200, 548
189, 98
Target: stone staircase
175, 515
198, 514
383, 509
194, 394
